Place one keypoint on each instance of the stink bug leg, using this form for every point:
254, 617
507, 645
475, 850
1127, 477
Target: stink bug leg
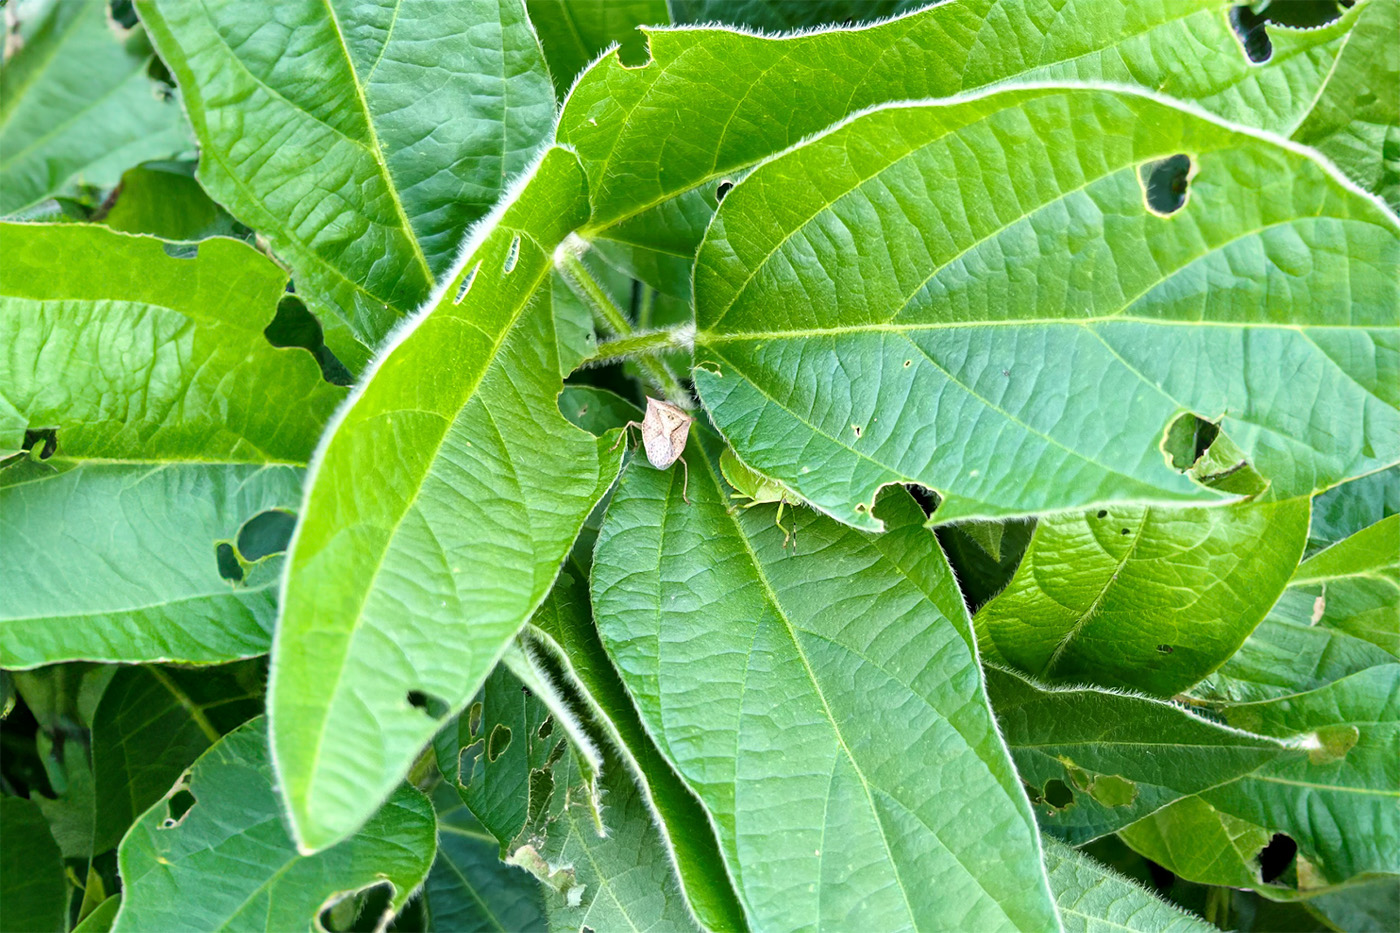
665, 429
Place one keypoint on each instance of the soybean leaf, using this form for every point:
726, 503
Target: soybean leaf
773, 683
660, 142
102, 916
1095, 761
469, 888
160, 421
33, 892
214, 854
76, 105
1318, 767
1360, 584
490, 751
361, 139
151, 724
1339, 801
1149, 599
1337, 617
573, 32
1094, 899
1195, 841
1353, 120
564, 626
1346, 509
479, 487
603, 868
1372, 908
163, 199
1035, 330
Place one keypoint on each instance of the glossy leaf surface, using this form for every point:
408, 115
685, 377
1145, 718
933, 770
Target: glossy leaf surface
772, 681
657, 141
227, 862
161, 421
874, 308
1143, 598
77, 106
361, 138
438, 513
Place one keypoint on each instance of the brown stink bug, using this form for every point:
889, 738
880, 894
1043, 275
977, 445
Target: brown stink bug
665, 428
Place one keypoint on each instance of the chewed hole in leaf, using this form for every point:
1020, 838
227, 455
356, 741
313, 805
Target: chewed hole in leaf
1103, 513
1275, 857
265, 534
498, 743
180, 250
295, 326
1057, 794
226, 559
42, 440
1187, 438
434, 706
1249, 28
545, 728
512, 256
722, 190
474, 720
177, 807
466, 285
1166, 184
1165, 649
466, 762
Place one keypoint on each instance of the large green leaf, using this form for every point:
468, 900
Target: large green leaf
1095, 761
1098, 761
1359, 581
1346, 509
565, 627
657, 141
33, 892
161, 420
880, 305
1337, 617
224, 860
605, 868
573, 32
1145, 598
469, 888
1341, 801
151, 724
76, 106
438, 513
1094, 899
1195, 841
825, 706
361, 138
1353, 118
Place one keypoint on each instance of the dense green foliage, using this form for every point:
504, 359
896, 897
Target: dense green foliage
1027, 557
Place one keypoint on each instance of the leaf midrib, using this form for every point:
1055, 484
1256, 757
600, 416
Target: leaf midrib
488, 361
377, 148
835, 727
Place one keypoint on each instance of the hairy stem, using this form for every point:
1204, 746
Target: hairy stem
641, 344
610, 316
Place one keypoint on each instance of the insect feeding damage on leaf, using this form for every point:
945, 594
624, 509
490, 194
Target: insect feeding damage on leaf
665, 429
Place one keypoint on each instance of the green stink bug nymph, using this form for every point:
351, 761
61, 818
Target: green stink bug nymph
754, 486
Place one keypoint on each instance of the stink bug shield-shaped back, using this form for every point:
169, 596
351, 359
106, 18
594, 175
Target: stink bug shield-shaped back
665, 429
